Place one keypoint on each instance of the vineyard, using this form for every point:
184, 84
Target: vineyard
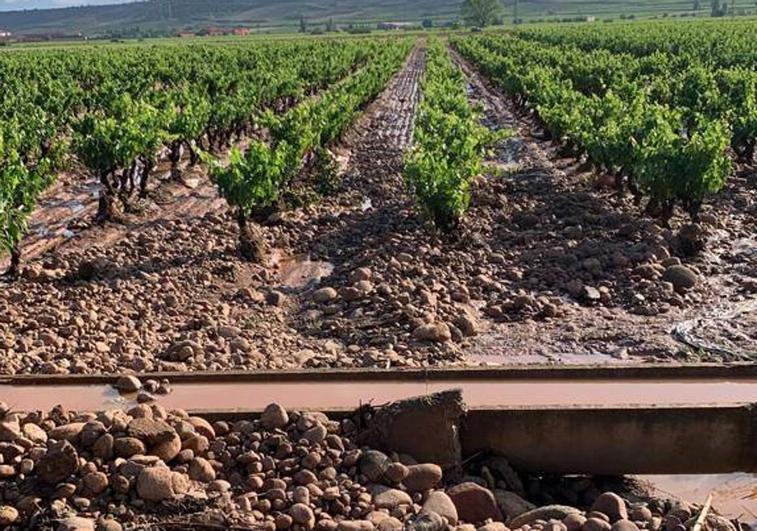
659, 118
554, 194
114, 111
610, 153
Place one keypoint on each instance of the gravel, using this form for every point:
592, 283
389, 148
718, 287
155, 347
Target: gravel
118, 469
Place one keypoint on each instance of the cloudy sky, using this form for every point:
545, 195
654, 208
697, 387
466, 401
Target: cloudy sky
8, 5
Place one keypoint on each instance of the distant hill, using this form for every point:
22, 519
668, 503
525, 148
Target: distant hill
166, 16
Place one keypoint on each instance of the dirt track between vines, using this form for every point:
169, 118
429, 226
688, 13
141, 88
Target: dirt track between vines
167, 291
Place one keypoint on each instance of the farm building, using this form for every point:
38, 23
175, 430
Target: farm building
392, 25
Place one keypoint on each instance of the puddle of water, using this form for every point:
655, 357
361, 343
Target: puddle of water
746, 246
510, 151
68, 234
733, 495
340, 395
74, 205
495, 359
300, 271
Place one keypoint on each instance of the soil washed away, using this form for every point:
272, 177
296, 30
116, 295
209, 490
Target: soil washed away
547, 267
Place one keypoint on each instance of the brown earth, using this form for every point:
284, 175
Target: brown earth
547, 267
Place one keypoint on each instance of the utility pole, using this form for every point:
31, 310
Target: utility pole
515, 11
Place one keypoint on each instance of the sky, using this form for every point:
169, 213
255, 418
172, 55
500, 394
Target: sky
12, 5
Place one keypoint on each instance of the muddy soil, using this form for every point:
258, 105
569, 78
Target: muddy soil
548, 267
565, 231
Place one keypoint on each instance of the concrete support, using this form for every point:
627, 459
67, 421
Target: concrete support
648, 440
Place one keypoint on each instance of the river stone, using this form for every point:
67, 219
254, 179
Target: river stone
158, 484
499, 526
8, 515
681, 277
109, 525
612, 505
202, 427
95, 482
60, 461
168, 449
34, 433
76, 523
316, 434
103, 447
435, 332
511, 504
595, 524
548, 512
274, 417
183, 350
390, 524
302, 515
201, 470
218, 485
429, 521
396, 473
597, 514
624, 525
590, 294
128, 384
438, 502
640, 514
574, 522
355, 525
360, 274
373, 465
66, 432
467, 324
151, 432
350, 293
474, 503
9, 430
324, 295
423, 477
128, 446
386, 498
91, 431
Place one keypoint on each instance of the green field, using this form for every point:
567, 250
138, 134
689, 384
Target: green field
161, 17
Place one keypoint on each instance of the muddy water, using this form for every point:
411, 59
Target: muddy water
297, 272
343, 395
733, 495
537, 358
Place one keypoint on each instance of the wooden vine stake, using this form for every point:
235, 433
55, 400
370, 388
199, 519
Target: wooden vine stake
703, 514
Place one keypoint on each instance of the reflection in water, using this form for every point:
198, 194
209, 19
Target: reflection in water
299, 272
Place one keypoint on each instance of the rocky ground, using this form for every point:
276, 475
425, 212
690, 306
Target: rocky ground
148, 468
548, 267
